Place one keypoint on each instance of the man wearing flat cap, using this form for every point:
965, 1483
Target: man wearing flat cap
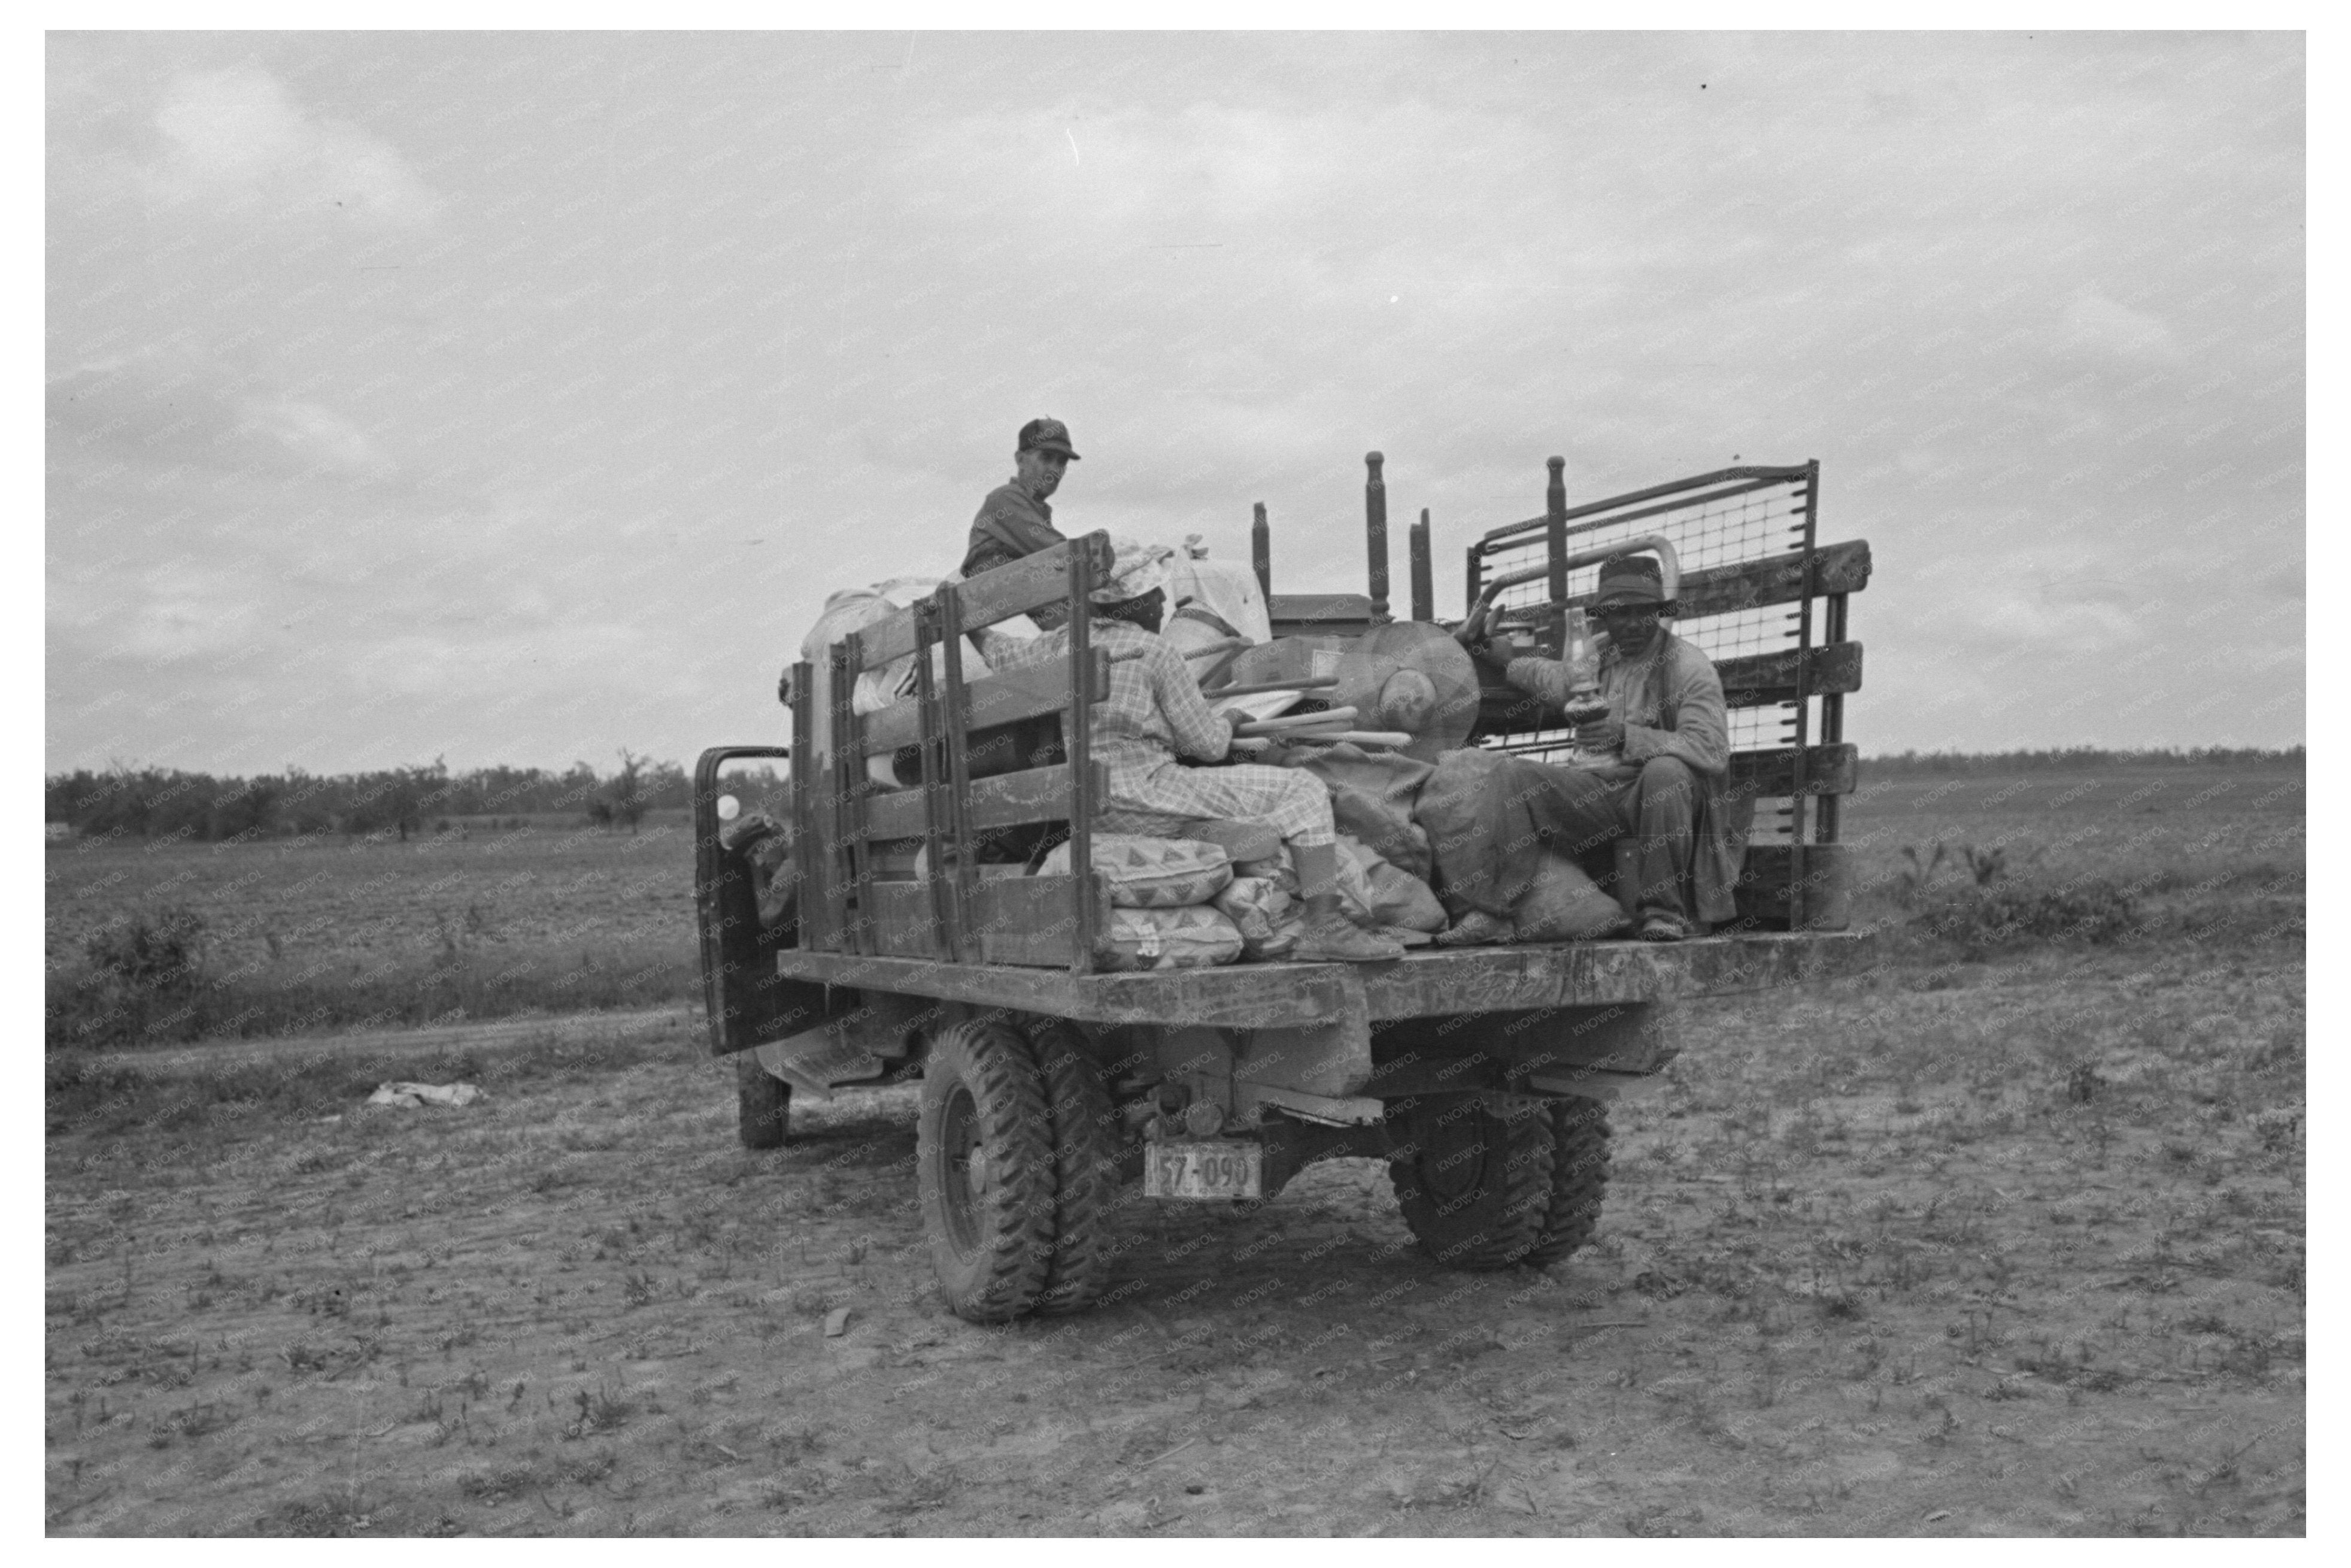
1653, 752
1014, 521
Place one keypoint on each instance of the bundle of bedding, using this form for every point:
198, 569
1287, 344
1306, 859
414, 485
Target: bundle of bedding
1162, 893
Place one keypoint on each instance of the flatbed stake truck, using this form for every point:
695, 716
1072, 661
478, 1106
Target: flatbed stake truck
1481, 1075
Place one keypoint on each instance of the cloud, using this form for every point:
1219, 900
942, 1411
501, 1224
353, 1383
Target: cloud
317, 435
237, 137
2095, 322
164, 409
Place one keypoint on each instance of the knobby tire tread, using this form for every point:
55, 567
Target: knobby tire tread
1502, 1221
1085, 1170
1579, 1178
1016, 1214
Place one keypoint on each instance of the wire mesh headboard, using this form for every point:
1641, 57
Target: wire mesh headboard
1730, 530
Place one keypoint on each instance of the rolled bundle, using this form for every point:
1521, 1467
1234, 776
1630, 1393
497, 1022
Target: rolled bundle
1330, 718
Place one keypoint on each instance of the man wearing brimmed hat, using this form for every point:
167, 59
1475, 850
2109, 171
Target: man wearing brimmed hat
1660, 735
1156, 714
1014, 521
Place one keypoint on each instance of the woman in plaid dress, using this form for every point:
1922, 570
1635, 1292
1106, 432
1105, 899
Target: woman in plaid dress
1155, 714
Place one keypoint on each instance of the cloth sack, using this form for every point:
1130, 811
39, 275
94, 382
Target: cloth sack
1152, 874
1194, 938
1266, 916
855, 610
1227, 590
1563, 904
1392, 895
1372, 798
1482, 840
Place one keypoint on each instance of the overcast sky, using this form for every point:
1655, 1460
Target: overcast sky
518, 399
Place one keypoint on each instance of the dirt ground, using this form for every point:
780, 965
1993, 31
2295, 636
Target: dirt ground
2005, 1249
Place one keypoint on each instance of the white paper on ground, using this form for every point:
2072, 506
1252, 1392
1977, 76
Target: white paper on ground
410, 1096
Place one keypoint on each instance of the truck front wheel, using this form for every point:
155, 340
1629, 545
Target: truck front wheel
1474, 1178
983, 1149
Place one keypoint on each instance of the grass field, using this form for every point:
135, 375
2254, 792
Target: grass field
2005, 1238
304, 935
321, 934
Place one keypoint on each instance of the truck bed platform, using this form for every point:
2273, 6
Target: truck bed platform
1428, 983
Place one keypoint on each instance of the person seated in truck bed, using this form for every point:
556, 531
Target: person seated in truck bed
1663, 750
1156, 714
1014, 520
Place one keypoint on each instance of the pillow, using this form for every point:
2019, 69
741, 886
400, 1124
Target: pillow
1190, 938
1563, 904
1151, 874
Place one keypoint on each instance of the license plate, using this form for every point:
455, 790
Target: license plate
1211, 1169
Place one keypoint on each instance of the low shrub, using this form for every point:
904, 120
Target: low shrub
1984, 919
141, 977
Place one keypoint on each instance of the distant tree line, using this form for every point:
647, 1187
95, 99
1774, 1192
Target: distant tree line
157, 802
2076, 757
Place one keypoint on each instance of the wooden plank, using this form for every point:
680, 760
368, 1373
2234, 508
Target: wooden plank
1828, 770
905, 922
1425, 984
1771, 870
1320, 615
1763, 678
1318, 607
1013, 589
1775, 579
1009, 799
1031, 920
1841, 568
1005, 698
1753, 681
1595, 974
1289, 659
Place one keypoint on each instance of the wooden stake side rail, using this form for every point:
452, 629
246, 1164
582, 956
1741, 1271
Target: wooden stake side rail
1009, 799
1004, 698
855, 829
1013, 589
1842, 567
1756, 680
1421, 984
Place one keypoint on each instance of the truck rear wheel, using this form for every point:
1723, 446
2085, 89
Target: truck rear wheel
1579, 1178
763, 1103
1085, 1169
984, 1156
1474, 1183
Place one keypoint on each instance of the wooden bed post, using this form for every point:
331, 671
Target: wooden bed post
1555, 521
1424, 574
1261, 556
1375, 533
1077, 744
